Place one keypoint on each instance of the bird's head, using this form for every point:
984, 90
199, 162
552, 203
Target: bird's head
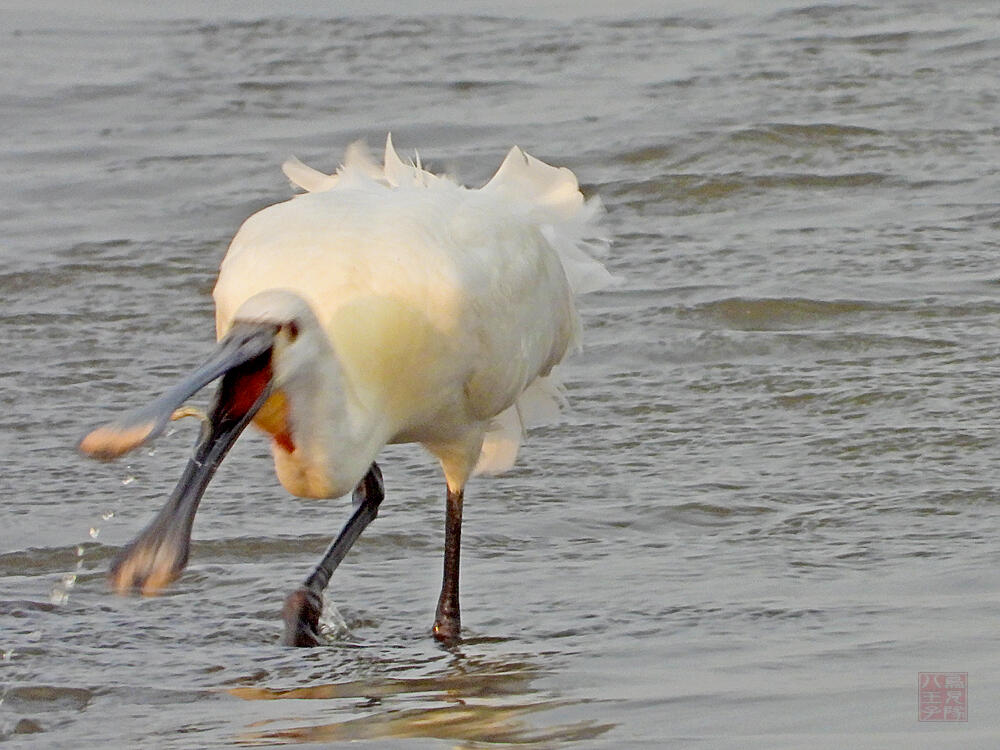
296, 335
268, 345
270, 341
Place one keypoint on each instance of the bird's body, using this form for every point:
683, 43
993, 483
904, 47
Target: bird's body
442, 306
401, 307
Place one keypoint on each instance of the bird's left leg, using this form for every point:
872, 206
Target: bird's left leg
304, 605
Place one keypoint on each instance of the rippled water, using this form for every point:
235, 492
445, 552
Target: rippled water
773, 503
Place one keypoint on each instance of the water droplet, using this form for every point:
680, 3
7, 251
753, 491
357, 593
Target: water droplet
332, 623
58, 595
69, 580
151, 452
94, 531
79, 550
107, 515
128, 480
7, 655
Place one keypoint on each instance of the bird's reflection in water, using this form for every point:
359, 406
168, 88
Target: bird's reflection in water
474, 702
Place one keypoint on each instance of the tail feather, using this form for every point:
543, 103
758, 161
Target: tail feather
551, 197
553, 190
309, 179
541, 402
400, 174
358, 159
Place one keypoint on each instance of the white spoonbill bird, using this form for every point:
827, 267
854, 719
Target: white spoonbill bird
383, 305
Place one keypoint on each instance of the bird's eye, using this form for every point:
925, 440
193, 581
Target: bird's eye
292, 329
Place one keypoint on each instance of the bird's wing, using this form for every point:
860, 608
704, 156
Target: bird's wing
559, 235
500, 264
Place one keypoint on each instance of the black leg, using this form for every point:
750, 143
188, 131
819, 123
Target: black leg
448, 619
304, 606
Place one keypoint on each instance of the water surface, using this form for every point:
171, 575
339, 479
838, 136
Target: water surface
774, 500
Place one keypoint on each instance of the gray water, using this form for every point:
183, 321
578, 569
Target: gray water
774, 501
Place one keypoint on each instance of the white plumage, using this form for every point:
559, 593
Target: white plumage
447, 308
384, 305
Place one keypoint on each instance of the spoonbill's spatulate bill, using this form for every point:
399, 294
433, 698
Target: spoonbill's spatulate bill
384, 305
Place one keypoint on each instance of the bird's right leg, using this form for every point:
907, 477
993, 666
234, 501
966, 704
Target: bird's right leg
448, 619
304, 605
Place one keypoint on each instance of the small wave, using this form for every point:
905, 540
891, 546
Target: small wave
242, 549
803, 313
774, 313
879, 41
976, 48
705, 514
40, 698
741, 346
664, 22
825, 11
42, 561
703, 188
818, 133
648, 154
773, 140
